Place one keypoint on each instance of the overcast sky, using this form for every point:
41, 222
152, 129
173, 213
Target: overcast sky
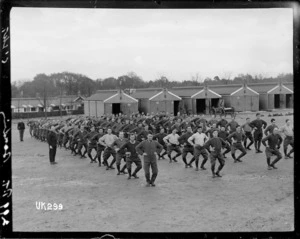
100, 43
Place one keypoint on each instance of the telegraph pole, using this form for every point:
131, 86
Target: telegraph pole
45, 106
60, 82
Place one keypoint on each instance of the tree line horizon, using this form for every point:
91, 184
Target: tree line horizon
68, 83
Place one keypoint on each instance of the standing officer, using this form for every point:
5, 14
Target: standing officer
52, 141
149, 149
21, 128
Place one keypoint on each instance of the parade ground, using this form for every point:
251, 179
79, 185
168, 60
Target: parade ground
247, 198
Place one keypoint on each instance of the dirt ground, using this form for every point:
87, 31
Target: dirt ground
247, 198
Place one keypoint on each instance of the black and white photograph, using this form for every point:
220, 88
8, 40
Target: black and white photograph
152, 120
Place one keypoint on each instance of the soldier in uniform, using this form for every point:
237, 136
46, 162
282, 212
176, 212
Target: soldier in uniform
107, 141
172, 145
223, 134
238, 137
231, 126
187, 147
120, 152
149, 149
274, 141
248, 133
21, 128
100, 147
160, 139
92, 144
132, 156
81, 137
258, 125
52, 141
198, 140
215, 144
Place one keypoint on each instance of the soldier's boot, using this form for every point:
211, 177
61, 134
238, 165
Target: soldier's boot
184, 160
203, 163
177, 155
162, 156
269, 163
240, 156
129, 173
258, 146
197, 165
233, 156
275, 161
170, 157
190, 163
118, 168
99, 160
90, 156
123, 169
248, 147
112, 163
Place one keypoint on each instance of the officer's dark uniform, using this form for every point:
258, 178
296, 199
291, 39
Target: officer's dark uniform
52, 141
21, 128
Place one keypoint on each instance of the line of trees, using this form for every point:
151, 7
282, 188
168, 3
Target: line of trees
67, 83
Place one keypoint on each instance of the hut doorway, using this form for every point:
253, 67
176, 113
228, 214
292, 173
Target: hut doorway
176, 106
200, 106
215, 102
116, 108
276, 101
288, 100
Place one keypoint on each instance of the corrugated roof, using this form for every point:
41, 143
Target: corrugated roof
229, 88
280, 89
185, 92
145, 94
206, 93
245, 90
101, 96
165, 95
120, 97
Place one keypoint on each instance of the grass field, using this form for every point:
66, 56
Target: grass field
247, 198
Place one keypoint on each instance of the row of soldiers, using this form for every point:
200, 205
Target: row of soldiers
191, 132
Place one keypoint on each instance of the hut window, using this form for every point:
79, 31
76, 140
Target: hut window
157, 102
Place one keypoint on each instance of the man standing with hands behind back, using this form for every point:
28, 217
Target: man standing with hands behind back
21, 128
150, 150
52, 141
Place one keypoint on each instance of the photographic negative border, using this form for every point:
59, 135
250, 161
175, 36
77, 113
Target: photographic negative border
6, 216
